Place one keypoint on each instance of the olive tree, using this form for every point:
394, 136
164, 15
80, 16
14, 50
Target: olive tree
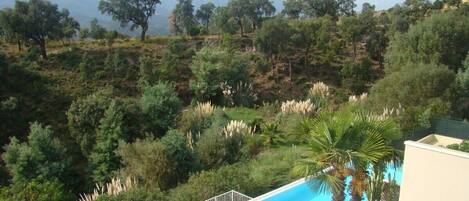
137, 12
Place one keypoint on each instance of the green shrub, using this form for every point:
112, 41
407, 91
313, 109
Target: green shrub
356, 75
85, 68
174, 64
181, 157
138, 194
211, 67
41, 158
161, 104
147, 161
37, 191
464, 146
84, 115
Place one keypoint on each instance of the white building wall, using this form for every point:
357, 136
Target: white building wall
432, 173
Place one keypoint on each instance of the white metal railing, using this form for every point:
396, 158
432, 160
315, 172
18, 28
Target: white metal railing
230, 196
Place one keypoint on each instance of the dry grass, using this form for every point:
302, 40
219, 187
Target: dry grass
235, 128
203, 110
319, 89
298, 107
355, 98
113, 188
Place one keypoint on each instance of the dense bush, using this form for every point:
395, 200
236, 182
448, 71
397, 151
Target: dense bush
84, 115
416, 84
181, 157
441, 38
422, 90
174, 64
138, 194
161, 104
268, 171
103, 160
212, 67
37, 191
42, 157
356, 75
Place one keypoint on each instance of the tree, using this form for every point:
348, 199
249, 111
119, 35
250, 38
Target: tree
161, 104
137, 12
110, 37
103, 160
348, 142
333, 8
70, 26
238, 10
305, 37
42, 158
273, 38
211, 67
184, 16
351, 31
8, 22
222, 22
85, 67
96, 31
292, 8
83, 118
378, 40
204, 13
455, 3
39, 20
440, 39
261, 9
147, 74
355, 75
176, 59
422, 89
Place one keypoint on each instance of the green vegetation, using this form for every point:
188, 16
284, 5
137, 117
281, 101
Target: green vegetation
241, 97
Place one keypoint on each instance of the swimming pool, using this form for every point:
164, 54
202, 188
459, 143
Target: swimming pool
301, 191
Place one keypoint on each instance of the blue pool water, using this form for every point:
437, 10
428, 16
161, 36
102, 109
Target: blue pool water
304, 192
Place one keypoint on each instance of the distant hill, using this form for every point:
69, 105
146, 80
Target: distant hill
85, 10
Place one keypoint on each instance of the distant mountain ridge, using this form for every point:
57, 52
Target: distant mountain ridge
85, 10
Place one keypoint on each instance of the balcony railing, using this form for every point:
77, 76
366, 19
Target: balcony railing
230, 196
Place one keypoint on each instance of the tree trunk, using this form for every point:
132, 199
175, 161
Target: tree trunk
241, 28
143, 33
272, 58
358, 185
306, 58
20, 47
340, 195
354, 45
290, 70
42, 47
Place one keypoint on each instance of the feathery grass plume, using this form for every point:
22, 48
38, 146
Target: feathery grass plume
113, 188
387, 113
191, 139
319, 89
357, 98
241, 94
298, 107
234, 128
203, 110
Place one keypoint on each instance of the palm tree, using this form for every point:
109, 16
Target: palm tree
271, 133
344, 144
